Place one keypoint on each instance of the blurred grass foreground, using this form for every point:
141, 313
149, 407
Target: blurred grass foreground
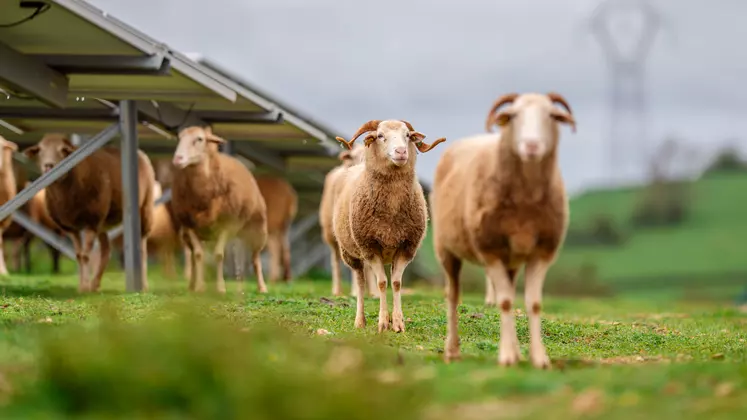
189, 366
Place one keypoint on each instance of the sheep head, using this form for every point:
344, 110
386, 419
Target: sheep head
195, 143
52, 149
8, 148
532, 120
392, 137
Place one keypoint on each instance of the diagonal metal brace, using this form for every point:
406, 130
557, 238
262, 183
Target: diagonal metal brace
46, 235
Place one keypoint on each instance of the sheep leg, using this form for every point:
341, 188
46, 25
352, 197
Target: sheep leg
534, 280
238, 267
3, 268
360, 282
86, 245
257, 263
219, 254
505, 287
144, 262
451, 266
196, 280
103, 259
373, 289
378, 267
82, 265
398, 318
336, 278
286, 255
187, 263
275, 249
55, 259
489, 292
166, 254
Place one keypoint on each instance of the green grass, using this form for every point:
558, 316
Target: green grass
294, 353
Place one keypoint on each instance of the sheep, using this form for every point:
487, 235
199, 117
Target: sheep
282, 205
88, 200
498, 200
330, 192
8, 190
380, 216
215, 197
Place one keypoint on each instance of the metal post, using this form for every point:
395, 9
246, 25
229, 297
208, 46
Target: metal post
132, 246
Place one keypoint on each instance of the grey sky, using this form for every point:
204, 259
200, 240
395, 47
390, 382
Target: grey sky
440, 64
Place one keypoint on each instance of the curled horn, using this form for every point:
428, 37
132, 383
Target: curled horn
369, 126
558, 98
421, 145
507, 98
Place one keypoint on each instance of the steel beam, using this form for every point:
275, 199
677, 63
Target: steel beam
301, 227
261, 155
131, 210
242, 117
59, 170
74, 114
150, 65
30, 75
44, 234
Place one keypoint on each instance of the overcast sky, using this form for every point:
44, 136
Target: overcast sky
440, 64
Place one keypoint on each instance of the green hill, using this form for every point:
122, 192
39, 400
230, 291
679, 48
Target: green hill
707, 249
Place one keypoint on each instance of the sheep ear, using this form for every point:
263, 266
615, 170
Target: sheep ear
212, 138
565, 118
31, 152
503, 118
417, 136
369, 140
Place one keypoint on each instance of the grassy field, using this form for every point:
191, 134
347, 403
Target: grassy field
294, 353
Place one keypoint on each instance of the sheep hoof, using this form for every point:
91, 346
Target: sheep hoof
508, 359
398, 324
263, 290
360, 322
539, 359
452, 355
383, 322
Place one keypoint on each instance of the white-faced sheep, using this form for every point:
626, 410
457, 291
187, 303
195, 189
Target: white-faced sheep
380, 216
282, 205
8, 190
498, 200
215, 198
330, 192
88, 200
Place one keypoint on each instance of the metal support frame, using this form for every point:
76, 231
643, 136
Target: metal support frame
149, 65
302, 226
131, 210
46, 235
58, 171
30, 75
70, 114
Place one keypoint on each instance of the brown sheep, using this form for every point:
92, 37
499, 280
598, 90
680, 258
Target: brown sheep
330, 192
380, 216
282, 205
8, 190
498, 200
88, 200
215, 198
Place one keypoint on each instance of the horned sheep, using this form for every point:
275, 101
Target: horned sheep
215, 198
88, 200
380, 216
498, 200
330, 192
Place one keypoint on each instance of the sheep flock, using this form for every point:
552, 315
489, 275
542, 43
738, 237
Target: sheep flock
497, 200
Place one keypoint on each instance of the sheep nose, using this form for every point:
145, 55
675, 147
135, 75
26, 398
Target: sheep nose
178, 159
48, 167
400, 151
532, 146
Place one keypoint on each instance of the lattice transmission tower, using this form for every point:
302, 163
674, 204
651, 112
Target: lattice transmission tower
626, 29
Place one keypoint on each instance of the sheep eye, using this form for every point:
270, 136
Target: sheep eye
381, 136
200, 139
